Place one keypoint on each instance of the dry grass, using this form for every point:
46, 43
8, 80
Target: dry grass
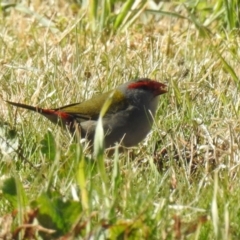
181, 182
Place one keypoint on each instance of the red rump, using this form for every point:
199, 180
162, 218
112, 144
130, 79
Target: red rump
60, 114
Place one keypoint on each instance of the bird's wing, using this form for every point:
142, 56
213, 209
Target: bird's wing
90, 109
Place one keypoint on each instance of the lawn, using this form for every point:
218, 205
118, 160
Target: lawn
182, 181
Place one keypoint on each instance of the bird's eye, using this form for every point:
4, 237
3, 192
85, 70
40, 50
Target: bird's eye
144, 87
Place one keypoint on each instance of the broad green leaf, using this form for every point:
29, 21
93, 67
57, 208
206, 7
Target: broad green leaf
57, 214
13, 191
9, 190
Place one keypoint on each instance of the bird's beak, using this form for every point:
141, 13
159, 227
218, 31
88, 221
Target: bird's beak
162, 89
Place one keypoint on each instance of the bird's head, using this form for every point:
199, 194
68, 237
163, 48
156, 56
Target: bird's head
143, 90
147, 85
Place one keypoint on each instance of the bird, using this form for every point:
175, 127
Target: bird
128, 119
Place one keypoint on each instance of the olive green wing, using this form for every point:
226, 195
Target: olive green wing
90, 109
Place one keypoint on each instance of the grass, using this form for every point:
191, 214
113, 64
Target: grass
181, 182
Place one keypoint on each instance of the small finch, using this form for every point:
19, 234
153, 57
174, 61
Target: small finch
128, 119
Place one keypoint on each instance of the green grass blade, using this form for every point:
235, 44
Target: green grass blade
93, 6
230, 12
81, 179
228, 68
123, 13
131, 18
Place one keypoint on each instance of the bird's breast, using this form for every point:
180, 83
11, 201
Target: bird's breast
129, 126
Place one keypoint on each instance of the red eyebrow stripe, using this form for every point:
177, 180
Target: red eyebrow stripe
138, 84
150, 84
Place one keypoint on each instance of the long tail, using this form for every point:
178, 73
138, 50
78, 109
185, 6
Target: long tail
58, 117
34, 109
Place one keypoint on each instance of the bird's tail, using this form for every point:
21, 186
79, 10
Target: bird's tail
34, 109
55, 116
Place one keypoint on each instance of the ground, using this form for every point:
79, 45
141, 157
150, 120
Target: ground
182, 181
